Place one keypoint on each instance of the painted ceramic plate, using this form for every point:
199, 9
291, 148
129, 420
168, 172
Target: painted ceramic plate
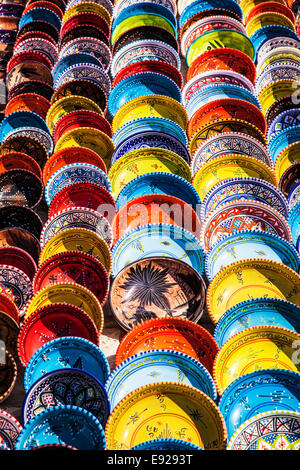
166, 444
20, 238
69, 353
21, 161
19, 258
90, 45
156, 288
257, 348
87, 72
27, 145
10, 429
56, 426
157, 366
161, 409
53, 321
18, 283
83, 88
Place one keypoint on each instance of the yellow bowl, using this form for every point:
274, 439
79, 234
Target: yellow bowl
166, 409
287, 56
247, 5
70, 293
90, 138
274, 91
247, 279
141, 20
146, 160
267, 19
260, 347
151, 106
87, 7
230, 166
66, 105
78, 239
286, 158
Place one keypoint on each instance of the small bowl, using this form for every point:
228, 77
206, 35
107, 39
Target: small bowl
21, 119
20, 238
25, 144
34, 86
197, 6
150, 66
83, 88
89, 45
21, 259
90, 72
18, 283
10, 429
81, 118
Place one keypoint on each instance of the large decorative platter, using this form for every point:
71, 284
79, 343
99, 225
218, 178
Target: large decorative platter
175, 334
157, 240
67, 387
10, 428
126, 168
157, 366
250, 244
272, 430
69, 353
156, 288
248, 279
56, 426
53, 321
257, 348
161, 409
159, 183
69, 293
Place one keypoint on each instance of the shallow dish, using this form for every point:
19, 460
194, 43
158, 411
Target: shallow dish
159, 365
56, 425
262, 277
156, 288
66, 352
174, 406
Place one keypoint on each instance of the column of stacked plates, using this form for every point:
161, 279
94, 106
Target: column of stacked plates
158, 261
251, 263
64, 319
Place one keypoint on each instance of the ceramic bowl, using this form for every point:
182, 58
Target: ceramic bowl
87, 7
86, 18
157, 240
11, 429
284, 120
90, 72
267, 277
8, 307
82, 88
196, 6
89, 45
250, 244
289, 178
21, 119
39, 26
84, 29
72, 59
166, 444
141, 8
28, 102
9, 334
34, 134
284, 138
157, 365
256, 312
286, 158
277, 71
82, 118
268, 18
180, 291
25, 144
265, 33
17, 283
20, 187
20, 238
40, 45
20, 217
17, 160
105, 3
293, 198
42, 14
274, 91
170, 4
179, 400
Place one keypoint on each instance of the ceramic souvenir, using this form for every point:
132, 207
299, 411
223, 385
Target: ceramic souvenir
10, 429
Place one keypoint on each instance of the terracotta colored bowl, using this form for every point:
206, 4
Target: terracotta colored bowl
19, 258
53, 321
21, 161
28, 102
25, 144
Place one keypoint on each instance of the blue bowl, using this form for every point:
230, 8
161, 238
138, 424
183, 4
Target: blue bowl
258, 392
265, 33
156, 240
294, 222
62, 387
244, 188
166, 444
143, 8
155, 124
73, 59
200, 5
74, 173
282, 139
157, 366
257, 312
70, 425
250, 244
21, 119
66, 352
151, 139
159, 183
40, 14
142, 84
284, 120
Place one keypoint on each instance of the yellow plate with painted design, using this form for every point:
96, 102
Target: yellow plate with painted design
230, 166
151, 106
257, 348
274, 91
70, 293
141, 20
247, 279
267, 19
87, 7
286, 158
90, 138
146, 160
166, 409
78, 239
66, 105
247, 5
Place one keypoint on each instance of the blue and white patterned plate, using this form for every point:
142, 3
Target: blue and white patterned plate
265, 33
284, 120
157, 366
257, 312
66, 352
282, 139
69, 425
85, 71
157, 240
43, 137
91, 46
73, 58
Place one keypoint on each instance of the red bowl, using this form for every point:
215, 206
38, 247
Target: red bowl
34, 35
175, 334
89, 195
71, 266
25, 144
39, 26
9, 308
86, 18
81, 118
272, 7
223, 59
225, 109
51, 322
150, 66
30, 56
44, 4
28, 102
71, 155
19, 258
20, 161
